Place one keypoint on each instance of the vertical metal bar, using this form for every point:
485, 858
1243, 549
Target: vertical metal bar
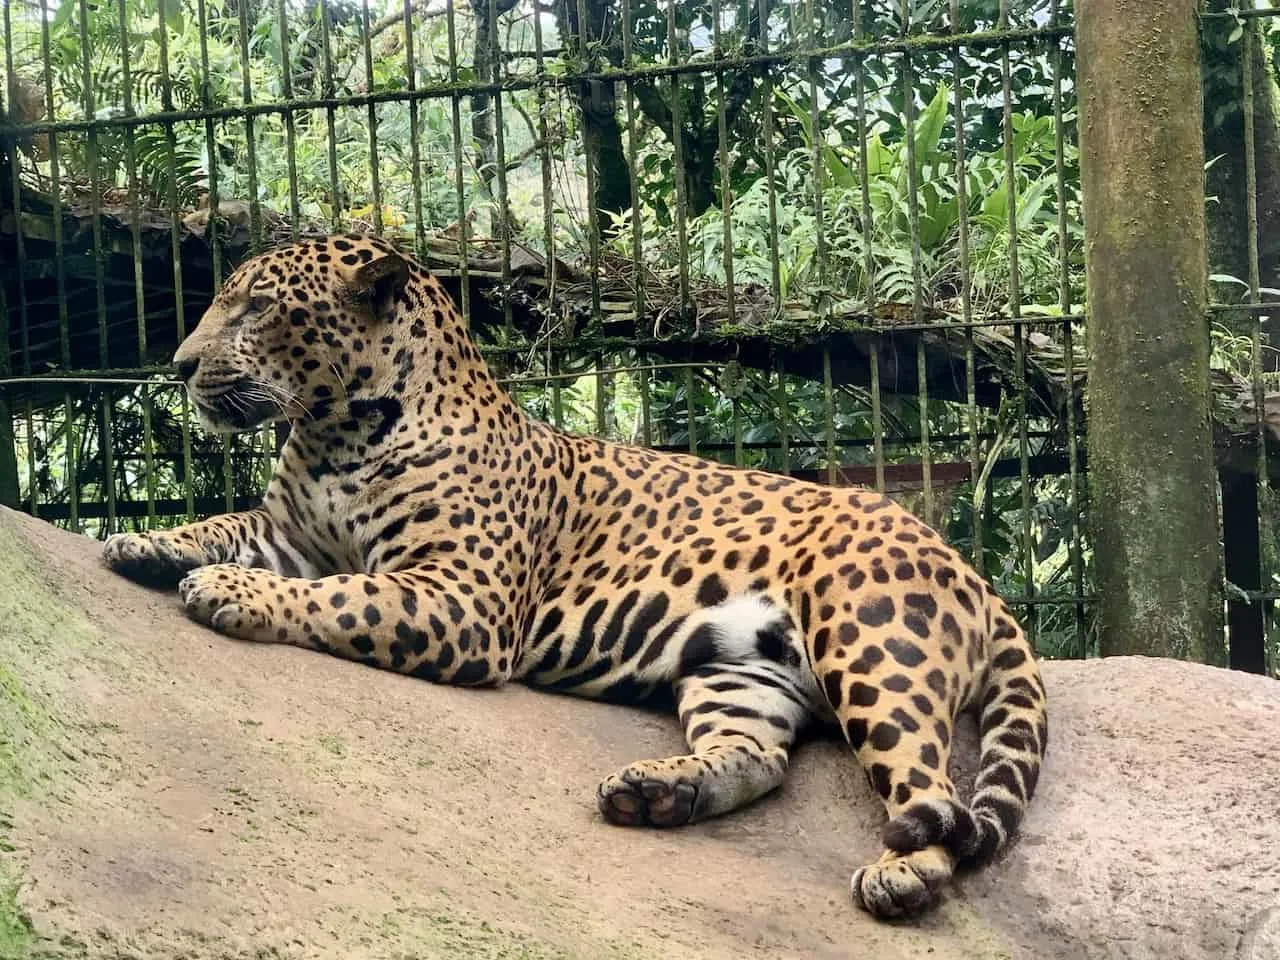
375, 182
464, 227
913, 186
784, 417
966, 304
633, 152
1251, 222
188, 467
175, 227
1015, 312
877, 420
646, 417
73, 464
32, 486
215, 247
829, 415
55, 196
917, 280
330, 116
251, 149
693, 417
682, 192
228, 475
926, 457
602, 414
551, 274
20, 253
95, 186
552, 263
587, 58
544, 150
64, 331
770, 156
15, 183
737, 432
1068, 349
135, 231
726, 191
108, 458
498, 63
290, 134
415, 152
148, 455
817, 159
267, 461
868, 257
557, 393
864, 178
8, 435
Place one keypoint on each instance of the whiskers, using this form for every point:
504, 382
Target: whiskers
342, 384
260, 392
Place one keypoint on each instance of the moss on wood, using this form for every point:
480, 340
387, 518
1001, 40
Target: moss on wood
1151, 467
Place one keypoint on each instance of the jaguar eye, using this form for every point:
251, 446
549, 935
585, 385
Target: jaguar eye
262, 304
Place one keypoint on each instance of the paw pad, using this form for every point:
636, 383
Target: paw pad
628, 800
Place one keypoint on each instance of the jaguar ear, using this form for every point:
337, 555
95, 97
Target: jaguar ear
379, 280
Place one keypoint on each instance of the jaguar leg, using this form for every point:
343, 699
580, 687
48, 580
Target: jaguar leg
740, 721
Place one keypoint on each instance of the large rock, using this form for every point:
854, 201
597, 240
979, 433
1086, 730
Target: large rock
175, 794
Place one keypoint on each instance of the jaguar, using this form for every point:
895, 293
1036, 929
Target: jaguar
419, 521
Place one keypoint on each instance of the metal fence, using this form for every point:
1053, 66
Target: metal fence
1239, 45
837, 240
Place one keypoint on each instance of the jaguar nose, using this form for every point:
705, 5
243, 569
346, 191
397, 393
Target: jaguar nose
186, 368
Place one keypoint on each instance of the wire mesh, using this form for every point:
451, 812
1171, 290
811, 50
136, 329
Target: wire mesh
837, 240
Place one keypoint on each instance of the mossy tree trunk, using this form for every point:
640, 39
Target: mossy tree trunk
1151, 467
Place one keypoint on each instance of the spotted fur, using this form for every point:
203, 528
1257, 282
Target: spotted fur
418, 521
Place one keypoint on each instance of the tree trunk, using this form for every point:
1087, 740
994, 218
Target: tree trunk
598, 106
1151, 468
483, 138
483, 112
602, 137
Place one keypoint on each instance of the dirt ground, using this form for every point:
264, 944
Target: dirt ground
167, 793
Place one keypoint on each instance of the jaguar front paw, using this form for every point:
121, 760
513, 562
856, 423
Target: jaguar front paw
230, 599
147, 558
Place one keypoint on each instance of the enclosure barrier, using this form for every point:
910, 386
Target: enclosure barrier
839, 241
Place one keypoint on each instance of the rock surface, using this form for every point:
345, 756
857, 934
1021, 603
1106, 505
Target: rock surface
168, 793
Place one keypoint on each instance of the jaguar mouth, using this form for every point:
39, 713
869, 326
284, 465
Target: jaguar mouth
235, 407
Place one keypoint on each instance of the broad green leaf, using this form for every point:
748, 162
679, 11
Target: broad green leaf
929, 127
1031, 202
61, 16
880, 159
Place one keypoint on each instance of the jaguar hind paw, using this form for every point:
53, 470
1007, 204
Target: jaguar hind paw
635, 797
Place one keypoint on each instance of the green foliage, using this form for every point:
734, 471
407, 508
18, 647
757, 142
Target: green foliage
886, 238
